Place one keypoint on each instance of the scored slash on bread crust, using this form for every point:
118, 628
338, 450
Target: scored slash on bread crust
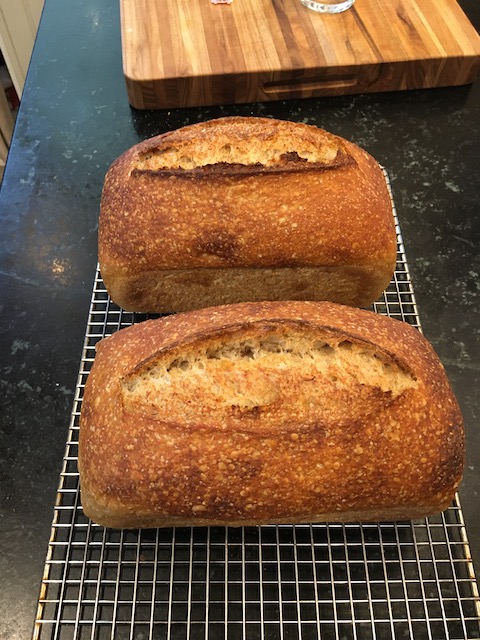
267, 412
238, 142
245, 208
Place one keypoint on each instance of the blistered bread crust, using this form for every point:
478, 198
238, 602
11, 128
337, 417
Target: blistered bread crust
244, 193
400, 458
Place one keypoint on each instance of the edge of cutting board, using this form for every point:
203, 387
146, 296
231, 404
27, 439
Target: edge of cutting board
186, 53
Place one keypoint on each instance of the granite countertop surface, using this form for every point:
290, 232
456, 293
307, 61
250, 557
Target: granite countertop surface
73, 122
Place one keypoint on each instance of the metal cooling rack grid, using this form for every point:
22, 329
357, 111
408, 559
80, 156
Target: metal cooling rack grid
310, 582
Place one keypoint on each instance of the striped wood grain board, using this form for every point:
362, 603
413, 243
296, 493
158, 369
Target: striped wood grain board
180, 53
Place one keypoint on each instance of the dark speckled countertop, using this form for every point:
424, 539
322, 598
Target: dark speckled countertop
74, 120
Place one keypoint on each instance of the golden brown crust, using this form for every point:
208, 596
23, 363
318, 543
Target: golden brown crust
290, 212
403, 458
187, 289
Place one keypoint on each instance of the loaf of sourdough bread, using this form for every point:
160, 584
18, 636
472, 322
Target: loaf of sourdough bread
245, 209
267, 413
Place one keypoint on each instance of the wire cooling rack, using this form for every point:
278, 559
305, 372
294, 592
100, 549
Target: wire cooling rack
305, 582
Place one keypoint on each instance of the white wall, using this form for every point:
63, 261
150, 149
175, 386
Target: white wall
18, 27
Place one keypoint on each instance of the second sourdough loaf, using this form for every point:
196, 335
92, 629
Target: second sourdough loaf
244, 208
267, 412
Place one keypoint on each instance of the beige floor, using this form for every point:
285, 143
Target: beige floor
7, 122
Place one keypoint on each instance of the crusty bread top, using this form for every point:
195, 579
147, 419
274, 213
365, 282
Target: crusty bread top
402, 441
255, 377
251, 142
245, 192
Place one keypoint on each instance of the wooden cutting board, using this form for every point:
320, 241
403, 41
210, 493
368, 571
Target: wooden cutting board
184, 53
